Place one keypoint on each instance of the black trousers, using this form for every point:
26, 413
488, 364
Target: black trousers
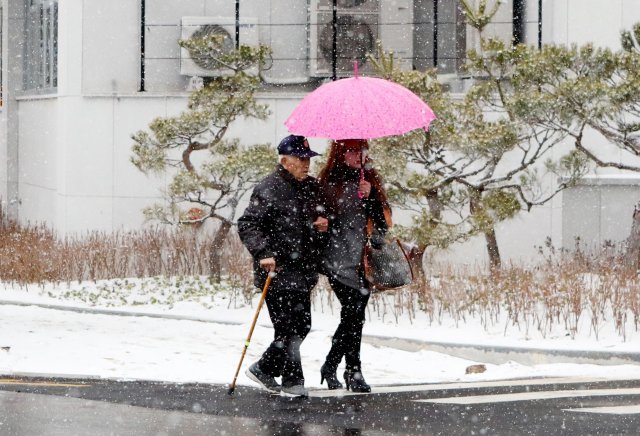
348, 336
290, 313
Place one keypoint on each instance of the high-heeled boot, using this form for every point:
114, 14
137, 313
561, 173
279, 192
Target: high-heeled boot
355, 381
329, 374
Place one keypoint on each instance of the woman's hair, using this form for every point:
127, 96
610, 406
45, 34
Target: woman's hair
330, 173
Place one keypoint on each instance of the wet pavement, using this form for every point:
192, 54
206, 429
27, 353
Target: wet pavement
30, 406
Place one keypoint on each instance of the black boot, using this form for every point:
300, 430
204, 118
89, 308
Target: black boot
355, 381
329, 374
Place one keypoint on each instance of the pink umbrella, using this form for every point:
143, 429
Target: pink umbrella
359, 107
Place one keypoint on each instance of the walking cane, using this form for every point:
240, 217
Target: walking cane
253, 325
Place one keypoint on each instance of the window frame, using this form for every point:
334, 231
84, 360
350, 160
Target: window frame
40, 67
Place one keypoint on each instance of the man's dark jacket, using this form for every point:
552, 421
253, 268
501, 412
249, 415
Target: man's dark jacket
278, 222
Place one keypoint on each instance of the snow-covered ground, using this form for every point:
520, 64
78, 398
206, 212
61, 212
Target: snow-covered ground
40, 340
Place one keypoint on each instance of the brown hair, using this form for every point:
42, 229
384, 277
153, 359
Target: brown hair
336, 159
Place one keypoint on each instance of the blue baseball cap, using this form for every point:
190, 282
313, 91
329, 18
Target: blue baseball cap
294, 145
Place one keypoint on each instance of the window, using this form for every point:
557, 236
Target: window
41, 45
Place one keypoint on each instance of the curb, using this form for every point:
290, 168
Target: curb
497, 354
115, 312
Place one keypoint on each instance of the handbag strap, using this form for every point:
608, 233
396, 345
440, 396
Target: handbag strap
406, 257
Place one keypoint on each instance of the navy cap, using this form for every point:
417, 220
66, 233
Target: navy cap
294, 145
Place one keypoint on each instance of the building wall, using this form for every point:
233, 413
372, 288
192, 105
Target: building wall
4, 161
39, 160
74, 149
600, 210
287, 37
9, 120
583, 21
76, 172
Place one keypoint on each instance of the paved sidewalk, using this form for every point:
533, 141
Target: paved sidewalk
494, 354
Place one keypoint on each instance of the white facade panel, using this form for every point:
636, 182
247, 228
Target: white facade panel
4, 162
630, 13
554, 22
587, 22
581, 216
599, 210
227, 8
38, 159
83, 214
132, 115
40, 205
168, 12
88, 151
110, 46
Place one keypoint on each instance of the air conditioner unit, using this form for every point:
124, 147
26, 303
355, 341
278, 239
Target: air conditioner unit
357, 33
194, 65
360, 24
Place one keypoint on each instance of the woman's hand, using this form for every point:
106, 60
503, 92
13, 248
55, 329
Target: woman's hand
364, 188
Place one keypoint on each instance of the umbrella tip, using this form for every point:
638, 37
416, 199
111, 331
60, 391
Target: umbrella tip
355, 68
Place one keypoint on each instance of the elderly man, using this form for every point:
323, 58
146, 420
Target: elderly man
282, 228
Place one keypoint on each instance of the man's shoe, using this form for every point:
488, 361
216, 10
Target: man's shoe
294, 391
265, 380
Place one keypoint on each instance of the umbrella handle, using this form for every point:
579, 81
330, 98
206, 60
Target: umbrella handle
360, 193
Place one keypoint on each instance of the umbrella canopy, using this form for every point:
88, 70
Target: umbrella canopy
359, 107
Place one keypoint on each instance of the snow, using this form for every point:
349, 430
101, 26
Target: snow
65, 343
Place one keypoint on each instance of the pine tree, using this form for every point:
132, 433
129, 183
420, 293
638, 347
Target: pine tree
209, 172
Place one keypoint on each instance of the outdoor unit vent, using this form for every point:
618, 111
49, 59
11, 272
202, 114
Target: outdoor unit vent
360, 24
357, 33
194, 64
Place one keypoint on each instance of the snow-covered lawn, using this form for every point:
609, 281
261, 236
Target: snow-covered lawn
47, 341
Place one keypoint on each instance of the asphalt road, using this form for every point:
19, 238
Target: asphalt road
36, 406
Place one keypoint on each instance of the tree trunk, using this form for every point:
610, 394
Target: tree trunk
215, 255
492, 248
632, 254
416, 257
489, 230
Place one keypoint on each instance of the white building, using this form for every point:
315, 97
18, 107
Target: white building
80, 76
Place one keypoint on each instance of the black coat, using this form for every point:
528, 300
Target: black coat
278, 222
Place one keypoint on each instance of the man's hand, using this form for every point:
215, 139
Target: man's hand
321, 224
364, 188
269, 264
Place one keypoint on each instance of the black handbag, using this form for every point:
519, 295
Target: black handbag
386, 267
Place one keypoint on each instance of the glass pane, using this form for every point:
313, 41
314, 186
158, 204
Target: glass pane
41, 45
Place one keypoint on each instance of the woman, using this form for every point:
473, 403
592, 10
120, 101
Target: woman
354, 196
